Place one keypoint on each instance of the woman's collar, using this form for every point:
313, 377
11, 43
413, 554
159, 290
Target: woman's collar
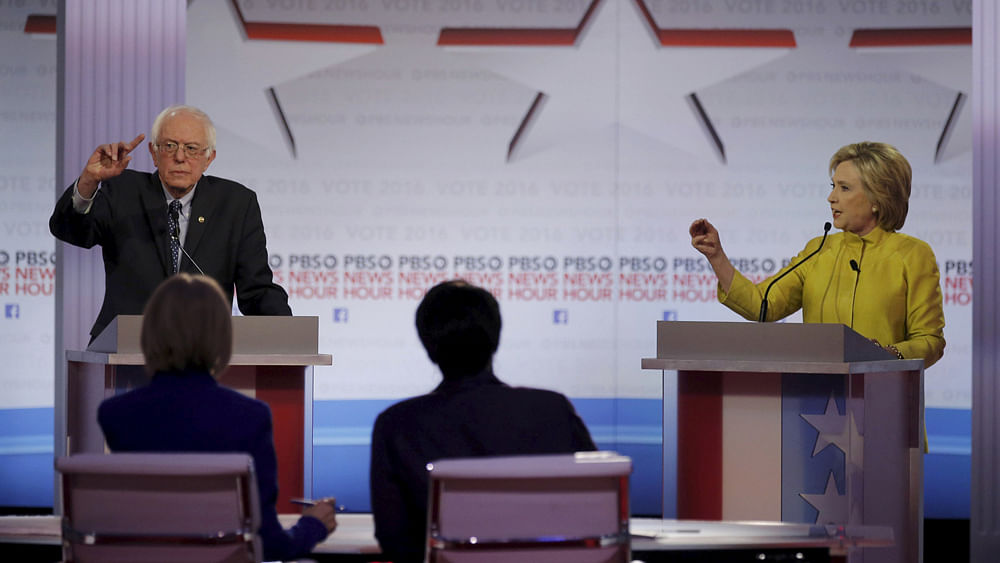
873, 237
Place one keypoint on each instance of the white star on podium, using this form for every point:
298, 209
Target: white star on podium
831, 426
831, 505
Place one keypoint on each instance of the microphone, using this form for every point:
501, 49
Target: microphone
857, 269
763, 304
200, 271
175, 234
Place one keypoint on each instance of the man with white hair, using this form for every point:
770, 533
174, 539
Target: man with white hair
176, 219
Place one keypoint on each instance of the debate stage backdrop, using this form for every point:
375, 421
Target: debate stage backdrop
553, 151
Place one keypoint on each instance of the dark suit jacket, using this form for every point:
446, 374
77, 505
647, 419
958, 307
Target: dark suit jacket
469, 417
190, 412
128, 218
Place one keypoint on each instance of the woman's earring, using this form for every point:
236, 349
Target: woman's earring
874, 209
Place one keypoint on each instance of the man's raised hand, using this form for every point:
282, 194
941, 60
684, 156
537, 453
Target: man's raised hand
107, 161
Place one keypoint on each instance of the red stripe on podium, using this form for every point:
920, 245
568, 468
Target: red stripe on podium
282, 391
699, 445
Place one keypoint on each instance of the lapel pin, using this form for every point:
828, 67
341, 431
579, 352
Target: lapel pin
201, 219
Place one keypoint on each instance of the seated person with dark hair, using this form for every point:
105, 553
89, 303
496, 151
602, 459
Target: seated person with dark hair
470, 414
187, 340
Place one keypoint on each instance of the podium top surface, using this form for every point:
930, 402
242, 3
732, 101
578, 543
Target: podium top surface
768, 347
835, 368
649, 534
133, 359
251, 335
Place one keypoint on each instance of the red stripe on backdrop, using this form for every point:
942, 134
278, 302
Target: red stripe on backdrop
775, 38
699, 445
323, 33
924, 37
40, 23
516, 36
717, 37
318, 33
510, 37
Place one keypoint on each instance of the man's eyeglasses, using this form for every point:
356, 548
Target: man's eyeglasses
194, 152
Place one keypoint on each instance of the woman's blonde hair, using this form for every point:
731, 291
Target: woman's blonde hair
885, 176
187, 325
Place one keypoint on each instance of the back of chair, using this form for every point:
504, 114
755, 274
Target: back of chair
134, 507
545, 509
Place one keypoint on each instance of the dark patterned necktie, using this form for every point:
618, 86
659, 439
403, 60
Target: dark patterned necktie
174, 228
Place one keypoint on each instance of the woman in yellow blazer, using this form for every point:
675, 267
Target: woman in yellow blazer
881, 283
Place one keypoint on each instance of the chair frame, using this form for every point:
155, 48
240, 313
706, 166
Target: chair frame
437, 542
94, 464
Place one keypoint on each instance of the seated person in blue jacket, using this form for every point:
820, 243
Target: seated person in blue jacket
187, 340
470, 414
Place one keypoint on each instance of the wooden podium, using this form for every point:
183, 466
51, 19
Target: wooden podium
796, 423
272, 361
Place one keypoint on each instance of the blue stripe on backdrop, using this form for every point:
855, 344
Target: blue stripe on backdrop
341, 439
343, 430
948, 464
26, 472
639, 424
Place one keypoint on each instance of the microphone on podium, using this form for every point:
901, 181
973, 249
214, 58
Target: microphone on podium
763, 304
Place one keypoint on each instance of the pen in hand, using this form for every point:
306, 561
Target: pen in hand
311, 502
325, 510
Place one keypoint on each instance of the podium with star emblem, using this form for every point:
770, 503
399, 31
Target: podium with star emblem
788, 422
273, 359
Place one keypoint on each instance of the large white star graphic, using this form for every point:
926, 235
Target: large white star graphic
946, 62
231, 78
831, 505
940, 55
579, 85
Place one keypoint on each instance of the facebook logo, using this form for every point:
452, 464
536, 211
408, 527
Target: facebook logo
11, 311
560, 317
670, 315
340, 314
